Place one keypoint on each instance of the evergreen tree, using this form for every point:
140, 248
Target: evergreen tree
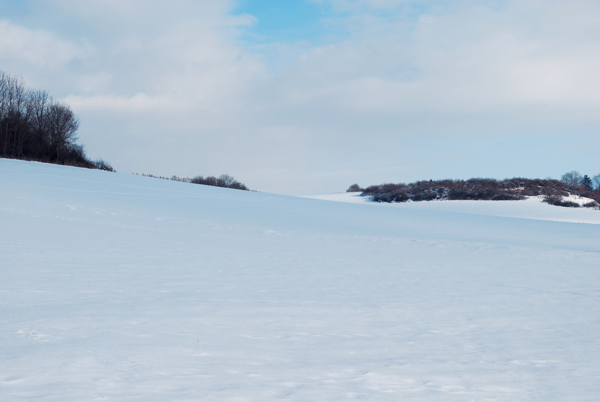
587, 182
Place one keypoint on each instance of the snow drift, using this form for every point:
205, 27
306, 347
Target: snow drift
127, 288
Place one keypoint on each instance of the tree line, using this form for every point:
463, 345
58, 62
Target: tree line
574, 178
34, 126
553, 191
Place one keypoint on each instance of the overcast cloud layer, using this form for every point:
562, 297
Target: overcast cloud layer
381, 90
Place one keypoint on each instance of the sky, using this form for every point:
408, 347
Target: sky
311, 96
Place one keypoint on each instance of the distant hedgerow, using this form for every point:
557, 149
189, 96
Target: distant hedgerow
479, 189
224, 180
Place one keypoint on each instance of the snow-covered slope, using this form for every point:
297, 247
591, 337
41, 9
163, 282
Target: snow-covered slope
124, 288
531, 208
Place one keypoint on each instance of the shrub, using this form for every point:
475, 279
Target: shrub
592, 204
560, 202
354, 188
102, 165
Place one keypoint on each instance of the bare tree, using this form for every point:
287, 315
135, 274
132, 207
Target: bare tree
16, 116
39, 101
9, 105
225, 180
572, 178
20, 116
4, 101
62, 127
596, 181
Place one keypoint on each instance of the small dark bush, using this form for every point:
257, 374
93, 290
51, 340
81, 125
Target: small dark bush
102, 165
354, 188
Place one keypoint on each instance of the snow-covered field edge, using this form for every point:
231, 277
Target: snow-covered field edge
531, 208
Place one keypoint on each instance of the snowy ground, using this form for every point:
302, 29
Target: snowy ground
531, 208
116, 287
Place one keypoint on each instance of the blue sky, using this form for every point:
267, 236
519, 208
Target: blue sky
314, 21
311, 96
285, 21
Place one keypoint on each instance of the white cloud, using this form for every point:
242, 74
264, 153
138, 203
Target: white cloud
138, 103
40, 48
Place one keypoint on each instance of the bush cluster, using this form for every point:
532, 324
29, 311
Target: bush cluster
33, 126
560, 202
224, 180
477, 189
354, 188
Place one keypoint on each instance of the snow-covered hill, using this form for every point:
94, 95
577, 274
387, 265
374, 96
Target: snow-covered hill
125, 288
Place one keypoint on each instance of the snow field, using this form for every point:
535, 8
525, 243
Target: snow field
126, 288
